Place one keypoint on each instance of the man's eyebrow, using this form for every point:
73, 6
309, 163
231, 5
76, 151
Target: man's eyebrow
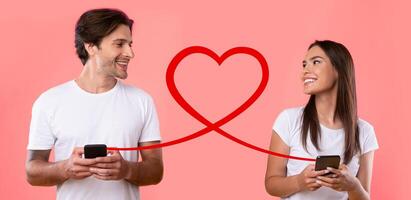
122, 40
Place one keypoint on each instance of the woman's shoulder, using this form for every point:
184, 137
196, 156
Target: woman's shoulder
293, 111
291, 115
368, 138
365, 126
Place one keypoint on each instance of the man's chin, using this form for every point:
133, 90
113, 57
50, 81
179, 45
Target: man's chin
122, 76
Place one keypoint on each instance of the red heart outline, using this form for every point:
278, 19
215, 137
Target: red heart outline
209, 125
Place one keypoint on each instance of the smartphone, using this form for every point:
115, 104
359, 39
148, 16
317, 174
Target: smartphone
95, 150
322, 162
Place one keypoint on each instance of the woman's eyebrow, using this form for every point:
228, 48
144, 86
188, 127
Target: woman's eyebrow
314, 57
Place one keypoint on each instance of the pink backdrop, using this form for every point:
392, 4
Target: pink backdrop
37, 52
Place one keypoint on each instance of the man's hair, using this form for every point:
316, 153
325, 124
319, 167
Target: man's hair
94, 25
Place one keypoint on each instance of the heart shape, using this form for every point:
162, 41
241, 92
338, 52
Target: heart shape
209, 125
202, 50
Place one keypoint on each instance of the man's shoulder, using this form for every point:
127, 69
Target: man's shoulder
54, 94
136, 92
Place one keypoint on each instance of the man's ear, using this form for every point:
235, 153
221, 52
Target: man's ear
90, 48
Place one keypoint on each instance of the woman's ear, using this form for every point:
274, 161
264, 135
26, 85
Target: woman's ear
335, 72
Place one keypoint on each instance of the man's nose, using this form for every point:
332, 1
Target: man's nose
129, 52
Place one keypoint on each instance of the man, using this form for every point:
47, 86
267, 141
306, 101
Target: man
96, 108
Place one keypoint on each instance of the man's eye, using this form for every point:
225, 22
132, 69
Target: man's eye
119, 45
304, 64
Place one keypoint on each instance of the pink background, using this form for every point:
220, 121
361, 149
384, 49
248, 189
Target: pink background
37, 52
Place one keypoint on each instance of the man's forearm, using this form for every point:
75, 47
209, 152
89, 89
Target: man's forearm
43, 173
145, 172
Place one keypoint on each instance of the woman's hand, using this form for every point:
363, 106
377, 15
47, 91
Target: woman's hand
341, 180
307, 179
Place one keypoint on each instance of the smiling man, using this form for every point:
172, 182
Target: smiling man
96, 107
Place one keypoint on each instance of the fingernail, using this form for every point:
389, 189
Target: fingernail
326, 171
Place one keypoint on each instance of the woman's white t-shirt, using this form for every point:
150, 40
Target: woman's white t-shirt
288, 127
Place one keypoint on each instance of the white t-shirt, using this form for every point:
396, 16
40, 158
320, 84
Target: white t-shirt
288, 127
66, 117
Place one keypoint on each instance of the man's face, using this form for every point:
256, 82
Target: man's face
114, 54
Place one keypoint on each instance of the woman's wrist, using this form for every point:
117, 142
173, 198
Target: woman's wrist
355, 186
357, 191
299, 179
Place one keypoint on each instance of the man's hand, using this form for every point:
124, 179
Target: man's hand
77, 167
148, 171
112, 167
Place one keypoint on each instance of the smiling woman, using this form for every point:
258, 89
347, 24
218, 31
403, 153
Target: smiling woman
327, 125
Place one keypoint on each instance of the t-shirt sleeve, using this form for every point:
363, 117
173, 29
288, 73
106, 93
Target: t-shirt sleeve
282, 127
40, 135
151, 128
370, 140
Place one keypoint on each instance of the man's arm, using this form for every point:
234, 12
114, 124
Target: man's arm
147, 172
41, 172
150, 170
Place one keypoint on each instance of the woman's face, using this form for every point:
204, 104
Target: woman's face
318, 74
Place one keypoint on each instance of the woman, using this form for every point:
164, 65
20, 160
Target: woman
327, 125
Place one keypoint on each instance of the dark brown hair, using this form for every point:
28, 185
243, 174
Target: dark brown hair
94, 25
346, 105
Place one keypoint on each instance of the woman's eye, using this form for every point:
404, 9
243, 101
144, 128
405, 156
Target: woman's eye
304, 64
316, 62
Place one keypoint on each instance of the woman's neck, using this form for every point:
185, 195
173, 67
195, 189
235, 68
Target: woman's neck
326, 104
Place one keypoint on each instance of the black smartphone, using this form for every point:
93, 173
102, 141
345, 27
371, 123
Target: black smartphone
322, 162
95, 150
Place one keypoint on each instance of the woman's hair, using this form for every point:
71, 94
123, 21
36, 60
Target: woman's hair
346, 105
94, 25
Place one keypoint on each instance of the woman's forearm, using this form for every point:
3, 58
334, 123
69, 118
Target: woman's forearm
358, 193
282, 186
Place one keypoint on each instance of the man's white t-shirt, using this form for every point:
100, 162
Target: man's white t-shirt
288, 127
66, 117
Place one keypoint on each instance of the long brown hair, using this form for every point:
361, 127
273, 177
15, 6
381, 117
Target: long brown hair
346, 105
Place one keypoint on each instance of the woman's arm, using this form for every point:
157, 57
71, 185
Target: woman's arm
364, 176
358, 188
277, 183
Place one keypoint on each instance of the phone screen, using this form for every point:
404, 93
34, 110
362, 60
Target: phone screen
95, 150
322, 162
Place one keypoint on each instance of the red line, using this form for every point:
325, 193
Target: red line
209, 125
173, 142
